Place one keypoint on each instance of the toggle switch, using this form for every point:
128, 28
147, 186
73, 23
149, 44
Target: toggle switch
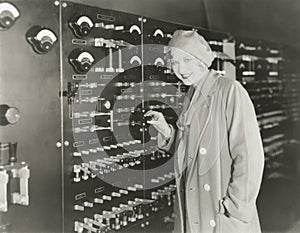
110, 57
78, 208
76, 154
9, 115
98, 200
115, 194
139, 186
88, 204
114, 146
120, 68
81, 227
12, 153
76, 170
93, 151
133, 189
8, 15
91, 222
106, 197
155, 180
122, 191
109, 26
41, 39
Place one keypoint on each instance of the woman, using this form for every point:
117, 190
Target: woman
217, 145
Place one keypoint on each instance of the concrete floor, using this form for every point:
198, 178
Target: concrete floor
293, 229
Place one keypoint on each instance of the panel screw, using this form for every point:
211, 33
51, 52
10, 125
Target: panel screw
58, 144
56, 3
64, 4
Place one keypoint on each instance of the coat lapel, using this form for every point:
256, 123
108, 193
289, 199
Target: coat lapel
205, 116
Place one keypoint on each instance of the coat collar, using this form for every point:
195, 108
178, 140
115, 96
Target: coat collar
208, 85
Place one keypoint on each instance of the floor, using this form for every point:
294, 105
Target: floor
293, 229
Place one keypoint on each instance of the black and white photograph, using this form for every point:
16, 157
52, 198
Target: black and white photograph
149, 116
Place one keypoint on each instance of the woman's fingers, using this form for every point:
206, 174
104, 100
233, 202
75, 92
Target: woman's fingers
148, 113
155, 115
154, 121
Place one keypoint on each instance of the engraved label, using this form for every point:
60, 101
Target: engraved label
79, 77
80, 196
78, 144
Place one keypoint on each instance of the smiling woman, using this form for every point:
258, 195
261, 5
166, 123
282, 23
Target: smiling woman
189, 61
216, 144
186, 67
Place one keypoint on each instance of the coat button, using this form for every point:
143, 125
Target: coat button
202, 151
206, 187
212, 223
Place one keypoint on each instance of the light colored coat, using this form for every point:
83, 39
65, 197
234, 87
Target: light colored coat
219, 137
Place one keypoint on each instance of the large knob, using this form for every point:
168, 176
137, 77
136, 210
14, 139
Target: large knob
8, 15
81, 60
41, 39
81, 25
9, 115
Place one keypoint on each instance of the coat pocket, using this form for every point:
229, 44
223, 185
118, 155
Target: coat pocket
231, 225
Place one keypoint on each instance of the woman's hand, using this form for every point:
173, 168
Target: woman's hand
159, 122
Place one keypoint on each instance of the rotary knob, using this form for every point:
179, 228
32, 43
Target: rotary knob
8, 15
41, 39
81, 60
9, 115
81, 25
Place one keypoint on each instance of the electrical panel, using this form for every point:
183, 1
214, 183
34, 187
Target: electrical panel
78, 80
262, 70
30, 117
114, 71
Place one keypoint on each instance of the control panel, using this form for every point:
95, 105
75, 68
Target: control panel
114, 71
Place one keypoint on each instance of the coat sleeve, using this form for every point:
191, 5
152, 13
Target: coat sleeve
167, 145
247, 154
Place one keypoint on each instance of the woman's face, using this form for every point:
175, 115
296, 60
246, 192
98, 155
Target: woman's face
187, 68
